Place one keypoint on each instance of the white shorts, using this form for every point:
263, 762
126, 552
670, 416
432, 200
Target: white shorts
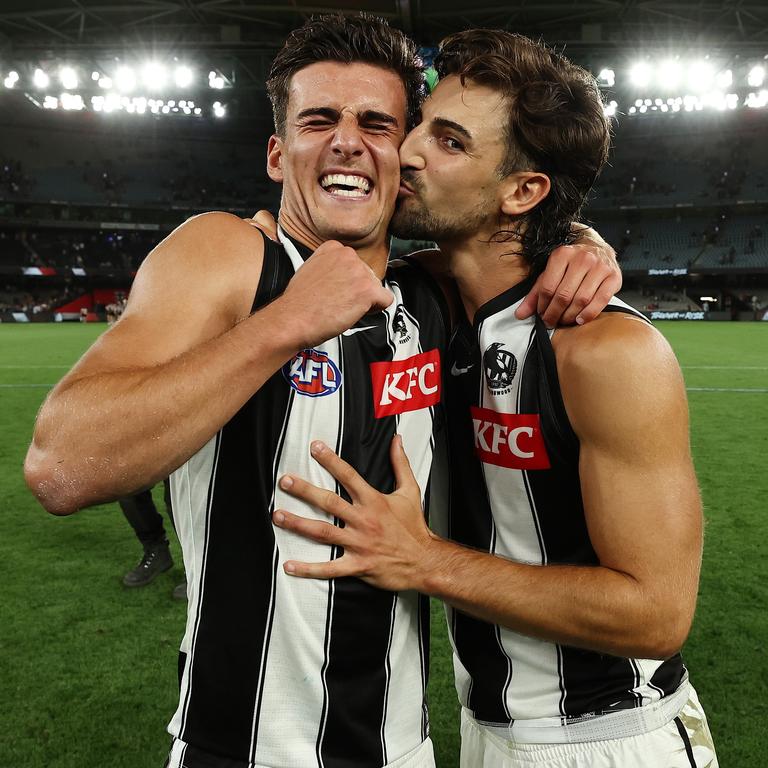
684, 742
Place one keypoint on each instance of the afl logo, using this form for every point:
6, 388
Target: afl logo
312, 373
500, 368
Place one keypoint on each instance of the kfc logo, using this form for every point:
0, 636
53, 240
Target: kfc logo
406, 385
509, 439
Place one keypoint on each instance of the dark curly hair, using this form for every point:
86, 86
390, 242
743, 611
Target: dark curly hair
357, 38
556, 125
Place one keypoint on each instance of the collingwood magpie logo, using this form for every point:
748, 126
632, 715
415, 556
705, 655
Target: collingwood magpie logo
500, 368
399, 327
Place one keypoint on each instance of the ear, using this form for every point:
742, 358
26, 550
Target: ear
523, 190
275, 158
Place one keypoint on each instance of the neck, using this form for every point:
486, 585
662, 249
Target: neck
482, 270
375, 255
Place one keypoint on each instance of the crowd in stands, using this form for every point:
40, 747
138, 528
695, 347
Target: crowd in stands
123, 251
35, 302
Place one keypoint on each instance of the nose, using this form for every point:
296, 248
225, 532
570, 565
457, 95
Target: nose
411, 156
347, 138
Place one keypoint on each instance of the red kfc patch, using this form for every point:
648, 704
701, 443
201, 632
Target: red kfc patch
406, 385
512, 440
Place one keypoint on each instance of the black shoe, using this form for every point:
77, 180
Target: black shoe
157, 558
180, 591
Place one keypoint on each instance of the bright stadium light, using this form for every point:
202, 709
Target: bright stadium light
154, 75
125, 79
700, 76
40, 79
11, 80
95, 76
607, 77
72, 101
105, 82
756, 77
724, 79
215, 80
183, 76
640, 74
609, 109
68, 78
219, 110
50, 102
670, 74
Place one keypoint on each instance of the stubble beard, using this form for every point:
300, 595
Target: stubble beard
412, 222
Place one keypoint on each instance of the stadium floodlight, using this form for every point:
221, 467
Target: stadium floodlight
105, 82
40, 79
11, 80
125, 79
183, 76
68, 78
607, 77
724, 79
72, 101
669, 74
640, 74
632, 110
215, 80
154, 75
95, 76
50, 102
219, 110
609, 109
756, 77
197, 111
701, 76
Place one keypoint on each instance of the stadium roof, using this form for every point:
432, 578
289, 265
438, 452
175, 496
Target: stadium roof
228, 25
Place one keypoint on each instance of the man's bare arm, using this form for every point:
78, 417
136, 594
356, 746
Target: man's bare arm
182, 360
640, 496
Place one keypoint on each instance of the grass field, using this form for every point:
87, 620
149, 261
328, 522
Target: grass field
88, 668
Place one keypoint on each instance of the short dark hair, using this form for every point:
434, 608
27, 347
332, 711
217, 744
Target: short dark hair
556, 125
347, 39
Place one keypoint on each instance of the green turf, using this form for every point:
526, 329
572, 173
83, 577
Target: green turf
88, 668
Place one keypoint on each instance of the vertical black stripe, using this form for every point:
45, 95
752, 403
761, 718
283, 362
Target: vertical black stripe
201, 579
470, 521
357, 655
686, 741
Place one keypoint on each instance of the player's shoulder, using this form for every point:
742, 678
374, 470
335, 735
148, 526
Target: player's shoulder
216, 238
211, 258
615, 345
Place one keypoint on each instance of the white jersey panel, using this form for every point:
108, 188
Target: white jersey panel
191, 487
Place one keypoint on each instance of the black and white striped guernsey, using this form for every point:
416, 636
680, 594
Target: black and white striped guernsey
279, 671
510, 434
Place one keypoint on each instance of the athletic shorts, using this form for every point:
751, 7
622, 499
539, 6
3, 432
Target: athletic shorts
184, 756
684, 742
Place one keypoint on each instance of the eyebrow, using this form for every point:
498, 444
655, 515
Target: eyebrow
333, 114
444, 122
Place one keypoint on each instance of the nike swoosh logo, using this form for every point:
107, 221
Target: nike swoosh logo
456, 371
352, 331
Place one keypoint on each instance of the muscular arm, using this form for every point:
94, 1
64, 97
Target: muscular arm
625, 398
624, 394
182, 360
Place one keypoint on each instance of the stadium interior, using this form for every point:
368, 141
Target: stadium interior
118, 124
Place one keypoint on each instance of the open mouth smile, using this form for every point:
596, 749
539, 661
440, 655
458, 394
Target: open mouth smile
346, 185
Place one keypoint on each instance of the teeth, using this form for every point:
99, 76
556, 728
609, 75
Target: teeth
358, 182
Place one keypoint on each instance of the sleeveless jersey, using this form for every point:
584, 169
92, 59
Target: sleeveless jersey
281, 671
510, 434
